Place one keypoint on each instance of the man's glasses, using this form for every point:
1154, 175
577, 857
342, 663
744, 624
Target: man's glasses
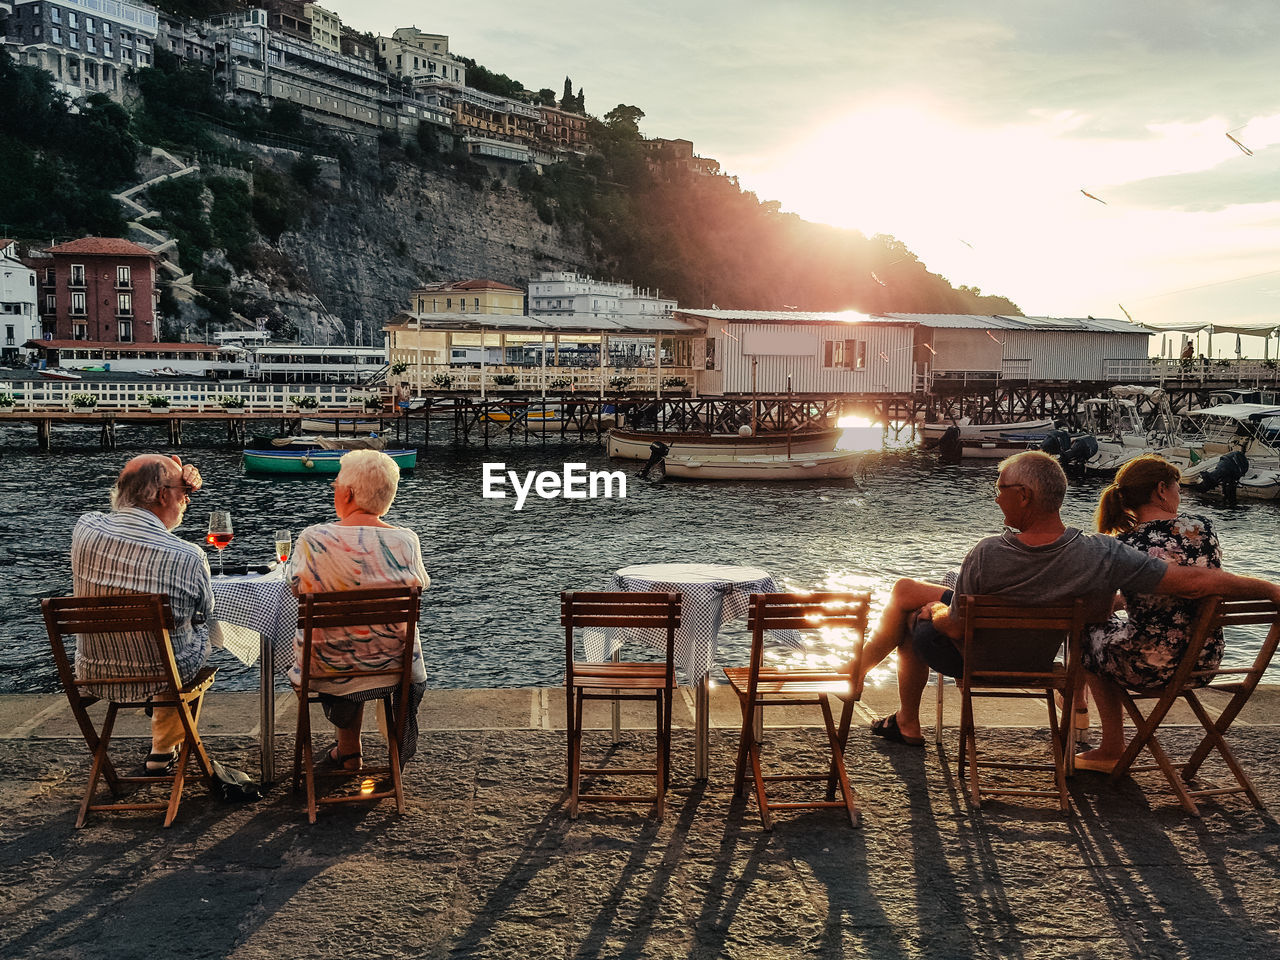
1000, 487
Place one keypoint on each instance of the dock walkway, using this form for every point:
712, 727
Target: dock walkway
486, 864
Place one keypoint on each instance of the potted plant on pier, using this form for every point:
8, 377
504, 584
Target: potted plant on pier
372, 403
442, 381
158, 403
84, 401
232, 404
621, 383
399, 367
559, 383
674, 383
504, 379
304, 402
6, 401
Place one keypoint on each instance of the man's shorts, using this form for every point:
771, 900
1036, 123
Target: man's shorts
937, 649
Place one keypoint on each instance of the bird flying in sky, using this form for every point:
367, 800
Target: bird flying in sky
1092, 197
1245, 150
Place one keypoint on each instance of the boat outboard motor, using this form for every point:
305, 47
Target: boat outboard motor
657, 453
950, 446
1228, 471
1056, 442
1080, 452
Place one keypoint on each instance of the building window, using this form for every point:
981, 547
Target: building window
72, 20
73, 40
124, 276
448, 304
90, 45
88, 25
106, 29
50, 303
124, 304
55, 34
55, 14
475, 302
8, 335
80, 331
126, 331
77, 275
106, 49
850, 354
77, 304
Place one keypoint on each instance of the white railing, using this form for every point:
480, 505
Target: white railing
41, 396
1246, 370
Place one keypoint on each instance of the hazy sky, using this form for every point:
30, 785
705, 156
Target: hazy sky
965, 129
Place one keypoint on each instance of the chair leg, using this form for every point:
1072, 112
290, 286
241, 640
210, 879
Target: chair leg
568, 740
297, 748
745, 738
575, 758
660, 768
393, 753
837, 760
937, 725
179, 778
1061, 745
668, 700
99, 762
969, 748
1214, 737
846, 720
762, 800
308, 759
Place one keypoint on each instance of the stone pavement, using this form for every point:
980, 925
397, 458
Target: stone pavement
485, 863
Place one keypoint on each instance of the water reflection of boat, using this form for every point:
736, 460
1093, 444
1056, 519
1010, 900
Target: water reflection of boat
626, 444
820, 465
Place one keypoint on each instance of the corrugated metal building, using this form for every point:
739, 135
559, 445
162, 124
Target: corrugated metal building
1025, 348
780, 351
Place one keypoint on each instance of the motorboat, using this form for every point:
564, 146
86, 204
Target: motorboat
313, 462
1123, 432
626, 444
819, 465
1234, 451
341, 425
932, 432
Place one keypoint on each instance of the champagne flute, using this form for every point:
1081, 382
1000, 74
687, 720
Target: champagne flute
284, 543
220, 533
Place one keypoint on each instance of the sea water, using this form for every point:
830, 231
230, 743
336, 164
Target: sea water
491, 617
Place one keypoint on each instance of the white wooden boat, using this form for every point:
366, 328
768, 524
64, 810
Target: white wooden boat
628, 444
348, 426
820, 465
983, 431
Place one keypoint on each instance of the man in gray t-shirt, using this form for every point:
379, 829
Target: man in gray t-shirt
1044, 561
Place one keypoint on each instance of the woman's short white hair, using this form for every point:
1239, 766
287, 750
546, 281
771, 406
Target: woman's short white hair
372, 477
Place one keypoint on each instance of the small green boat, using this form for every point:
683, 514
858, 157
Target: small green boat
312, 461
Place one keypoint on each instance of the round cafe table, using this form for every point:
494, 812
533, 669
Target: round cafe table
712, 594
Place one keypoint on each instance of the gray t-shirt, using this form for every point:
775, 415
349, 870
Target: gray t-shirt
1087, 565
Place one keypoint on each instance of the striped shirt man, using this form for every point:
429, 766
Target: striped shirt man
131, 551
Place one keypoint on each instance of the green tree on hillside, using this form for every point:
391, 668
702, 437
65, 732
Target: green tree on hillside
566, 99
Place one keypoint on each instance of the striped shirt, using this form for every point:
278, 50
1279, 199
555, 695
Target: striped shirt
130, 551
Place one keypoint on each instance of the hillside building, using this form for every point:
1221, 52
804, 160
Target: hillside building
413, 55
564, 131
19, 316
674, 158
560, 294
86, 45
99, 289
409, 339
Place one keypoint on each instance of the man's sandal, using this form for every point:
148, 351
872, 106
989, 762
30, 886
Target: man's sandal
887, 728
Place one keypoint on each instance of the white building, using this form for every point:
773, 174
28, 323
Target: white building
412, 55
19, 319
560, 294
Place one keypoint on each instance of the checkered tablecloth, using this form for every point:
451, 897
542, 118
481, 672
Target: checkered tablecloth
248, 610
713, 594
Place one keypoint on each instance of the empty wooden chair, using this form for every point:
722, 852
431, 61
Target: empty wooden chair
1189, 684
392, 611
129, 629
1010, 650
760, 686
612, 680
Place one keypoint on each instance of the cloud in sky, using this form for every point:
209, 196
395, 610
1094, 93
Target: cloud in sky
943, 121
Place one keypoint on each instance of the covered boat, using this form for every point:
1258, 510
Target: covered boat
820, 465
932, 432
626, 444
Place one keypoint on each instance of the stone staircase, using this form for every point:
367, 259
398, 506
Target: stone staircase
154, 240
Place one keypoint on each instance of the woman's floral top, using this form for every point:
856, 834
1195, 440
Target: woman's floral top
328, 557
1142, 651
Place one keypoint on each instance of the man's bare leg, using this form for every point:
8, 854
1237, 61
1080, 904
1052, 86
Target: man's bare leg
906, 597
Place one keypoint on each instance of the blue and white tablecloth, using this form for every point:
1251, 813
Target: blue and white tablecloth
251, 610
713, 594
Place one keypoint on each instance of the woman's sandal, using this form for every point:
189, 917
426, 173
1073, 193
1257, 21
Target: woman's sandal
333, 760
160, 764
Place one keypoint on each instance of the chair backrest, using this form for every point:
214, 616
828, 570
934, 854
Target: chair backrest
650, 610
348, 634
823, 610
1007, 638
1213, 614
123, 651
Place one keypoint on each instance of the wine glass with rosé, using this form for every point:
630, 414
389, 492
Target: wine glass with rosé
220, 533
284, 543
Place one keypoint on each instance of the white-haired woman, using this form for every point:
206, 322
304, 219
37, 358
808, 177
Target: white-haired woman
359, 551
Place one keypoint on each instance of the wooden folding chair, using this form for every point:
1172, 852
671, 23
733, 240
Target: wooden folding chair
1010, 651
612, 680
759, 686
391, 612
1187, 683
129, 629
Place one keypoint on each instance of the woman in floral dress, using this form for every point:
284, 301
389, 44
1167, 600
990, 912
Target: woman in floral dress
1142, 650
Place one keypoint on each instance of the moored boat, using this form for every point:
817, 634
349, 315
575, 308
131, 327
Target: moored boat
819, 465
984, 431
313, 461
626, 444
341, 426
